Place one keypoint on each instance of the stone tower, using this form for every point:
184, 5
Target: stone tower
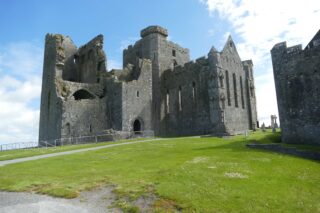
297, 82
164, 55
72, 90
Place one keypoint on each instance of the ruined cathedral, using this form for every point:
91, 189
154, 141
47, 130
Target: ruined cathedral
159, 91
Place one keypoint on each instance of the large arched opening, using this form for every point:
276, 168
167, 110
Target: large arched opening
82, 94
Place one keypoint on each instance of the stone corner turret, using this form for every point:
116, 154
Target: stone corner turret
154, 29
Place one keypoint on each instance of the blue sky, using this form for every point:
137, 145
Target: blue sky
195, 24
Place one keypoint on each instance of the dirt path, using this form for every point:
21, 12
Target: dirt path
88, 202
6, 162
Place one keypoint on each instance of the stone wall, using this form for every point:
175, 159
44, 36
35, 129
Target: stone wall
184, 100
297, 81
137, 100
208, 96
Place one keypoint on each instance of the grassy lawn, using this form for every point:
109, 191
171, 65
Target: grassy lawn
21, 153
205, 174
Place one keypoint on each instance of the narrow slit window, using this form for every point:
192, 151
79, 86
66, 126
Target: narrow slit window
241, 89
228, 88
167, 102
193, 91
235, 90
180, 104
221, 80
138, 94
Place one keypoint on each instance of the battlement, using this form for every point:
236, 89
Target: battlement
153, 29
192, 65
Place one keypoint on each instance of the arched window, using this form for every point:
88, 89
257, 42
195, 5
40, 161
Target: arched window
82, 94
235, 90
241, 90
228, 88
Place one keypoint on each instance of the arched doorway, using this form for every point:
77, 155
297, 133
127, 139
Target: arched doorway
137, 127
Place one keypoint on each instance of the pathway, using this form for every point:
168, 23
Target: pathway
18, 160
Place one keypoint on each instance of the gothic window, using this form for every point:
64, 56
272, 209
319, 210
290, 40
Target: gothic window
241, 89
228, 88
235, 90
179, 94
167, 102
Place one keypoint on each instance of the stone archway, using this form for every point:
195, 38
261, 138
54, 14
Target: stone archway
137, 127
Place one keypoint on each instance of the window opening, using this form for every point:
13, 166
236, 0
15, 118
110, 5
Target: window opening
228, 88
241, 89
193, 91
179, 94
173, 53
235, 90
167, 102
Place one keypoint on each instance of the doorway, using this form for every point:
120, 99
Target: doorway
137, 127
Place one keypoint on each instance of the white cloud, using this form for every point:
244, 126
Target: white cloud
129, 41
114, 64
262, 24
20, 87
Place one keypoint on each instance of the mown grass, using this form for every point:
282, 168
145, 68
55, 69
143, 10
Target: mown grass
265, 138
22, 153
205, 174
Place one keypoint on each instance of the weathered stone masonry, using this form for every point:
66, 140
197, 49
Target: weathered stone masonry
297, 81
158, 91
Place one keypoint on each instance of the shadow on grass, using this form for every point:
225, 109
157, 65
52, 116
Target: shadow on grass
268, 143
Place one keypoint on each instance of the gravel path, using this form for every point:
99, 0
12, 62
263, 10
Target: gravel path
6, 162
88, 202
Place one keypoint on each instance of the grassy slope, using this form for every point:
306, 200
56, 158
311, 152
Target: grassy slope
201, 174
21, 153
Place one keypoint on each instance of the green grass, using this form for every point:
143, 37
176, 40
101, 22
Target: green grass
267, 138
192, 174
22, 153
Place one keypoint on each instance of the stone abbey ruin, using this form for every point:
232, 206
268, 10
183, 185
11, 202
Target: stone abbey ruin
297, 81
158, 92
